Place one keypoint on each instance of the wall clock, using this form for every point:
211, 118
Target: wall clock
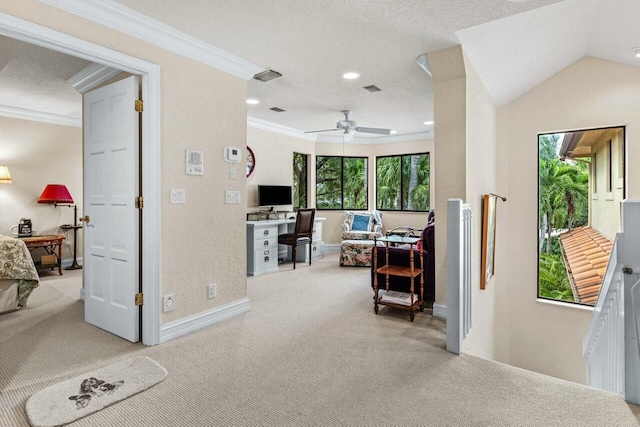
251, 161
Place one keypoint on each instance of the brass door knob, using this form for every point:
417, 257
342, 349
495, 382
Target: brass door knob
85, 219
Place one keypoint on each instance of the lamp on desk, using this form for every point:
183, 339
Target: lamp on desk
57, 194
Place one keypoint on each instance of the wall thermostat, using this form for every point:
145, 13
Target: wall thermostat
232, 154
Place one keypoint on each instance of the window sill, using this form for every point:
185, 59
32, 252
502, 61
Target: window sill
565, 304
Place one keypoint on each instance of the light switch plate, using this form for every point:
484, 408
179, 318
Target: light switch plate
177, 195
233, 172
232, 197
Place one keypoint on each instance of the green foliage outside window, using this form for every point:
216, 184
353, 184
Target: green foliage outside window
402, 182
299, 181
341, 182
563, 205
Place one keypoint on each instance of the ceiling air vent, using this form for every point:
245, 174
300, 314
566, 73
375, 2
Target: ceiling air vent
277, 110
267, 75
372, 88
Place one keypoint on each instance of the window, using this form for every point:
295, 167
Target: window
575, 226
402, 182
299, 181
341, 182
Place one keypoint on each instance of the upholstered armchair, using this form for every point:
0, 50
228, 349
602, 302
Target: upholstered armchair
359, 231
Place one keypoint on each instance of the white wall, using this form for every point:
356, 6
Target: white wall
590, 93
38, 154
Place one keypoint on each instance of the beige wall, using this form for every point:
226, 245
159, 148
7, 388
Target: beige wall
202, 108
449, 94
605, 205
274, 163
489, 336
38, 154
590, 93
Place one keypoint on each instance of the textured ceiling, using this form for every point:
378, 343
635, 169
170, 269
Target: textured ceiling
33, 78
313, 42
513, 45
514, 54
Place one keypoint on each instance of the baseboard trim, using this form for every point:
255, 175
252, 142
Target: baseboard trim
178, 328
82, 294
440, 310
332, 247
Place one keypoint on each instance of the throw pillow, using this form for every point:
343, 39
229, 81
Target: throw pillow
361, 222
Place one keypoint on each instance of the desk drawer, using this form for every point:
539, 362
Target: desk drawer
316, 249
271, 242
266, 258
263, 233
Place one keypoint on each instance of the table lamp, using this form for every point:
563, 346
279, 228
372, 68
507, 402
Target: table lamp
5, 176
57, 194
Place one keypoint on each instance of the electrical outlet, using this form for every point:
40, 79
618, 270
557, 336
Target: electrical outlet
169, 303
211, 289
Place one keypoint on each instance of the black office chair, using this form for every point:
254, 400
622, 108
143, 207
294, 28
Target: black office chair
302, 234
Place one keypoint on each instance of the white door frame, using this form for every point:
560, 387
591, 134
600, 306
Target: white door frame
29, 32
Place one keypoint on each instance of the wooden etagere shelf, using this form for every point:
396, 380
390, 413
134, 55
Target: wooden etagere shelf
402, 300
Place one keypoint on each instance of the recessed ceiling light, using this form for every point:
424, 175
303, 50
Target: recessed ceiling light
636, 52
393, 132
428, 123
350, 76
253, 101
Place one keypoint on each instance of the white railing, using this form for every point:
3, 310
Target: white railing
611, 345
459, 269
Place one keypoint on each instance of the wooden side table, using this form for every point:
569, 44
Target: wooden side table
51, 244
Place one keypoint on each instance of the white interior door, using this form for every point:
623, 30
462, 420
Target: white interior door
111, 235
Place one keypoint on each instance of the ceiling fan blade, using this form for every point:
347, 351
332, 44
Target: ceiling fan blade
323, 130
379, 131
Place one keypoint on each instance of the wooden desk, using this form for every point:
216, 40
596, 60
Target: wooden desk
51, 244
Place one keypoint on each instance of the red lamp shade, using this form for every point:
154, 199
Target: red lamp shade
55, 193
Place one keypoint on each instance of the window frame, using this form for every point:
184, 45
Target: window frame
427, 153
366, 180
306, 179
622, 147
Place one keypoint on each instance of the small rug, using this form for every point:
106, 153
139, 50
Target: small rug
78, 397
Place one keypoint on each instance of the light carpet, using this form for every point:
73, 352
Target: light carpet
310, 352
78, 397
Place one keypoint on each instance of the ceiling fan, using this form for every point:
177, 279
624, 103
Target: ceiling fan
349, 126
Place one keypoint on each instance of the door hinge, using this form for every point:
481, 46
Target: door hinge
139, 299
139, 202
139, 106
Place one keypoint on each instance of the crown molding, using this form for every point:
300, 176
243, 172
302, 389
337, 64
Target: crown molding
377, 140
277, 128
128, 21
39, 116
91, 76
330, 139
